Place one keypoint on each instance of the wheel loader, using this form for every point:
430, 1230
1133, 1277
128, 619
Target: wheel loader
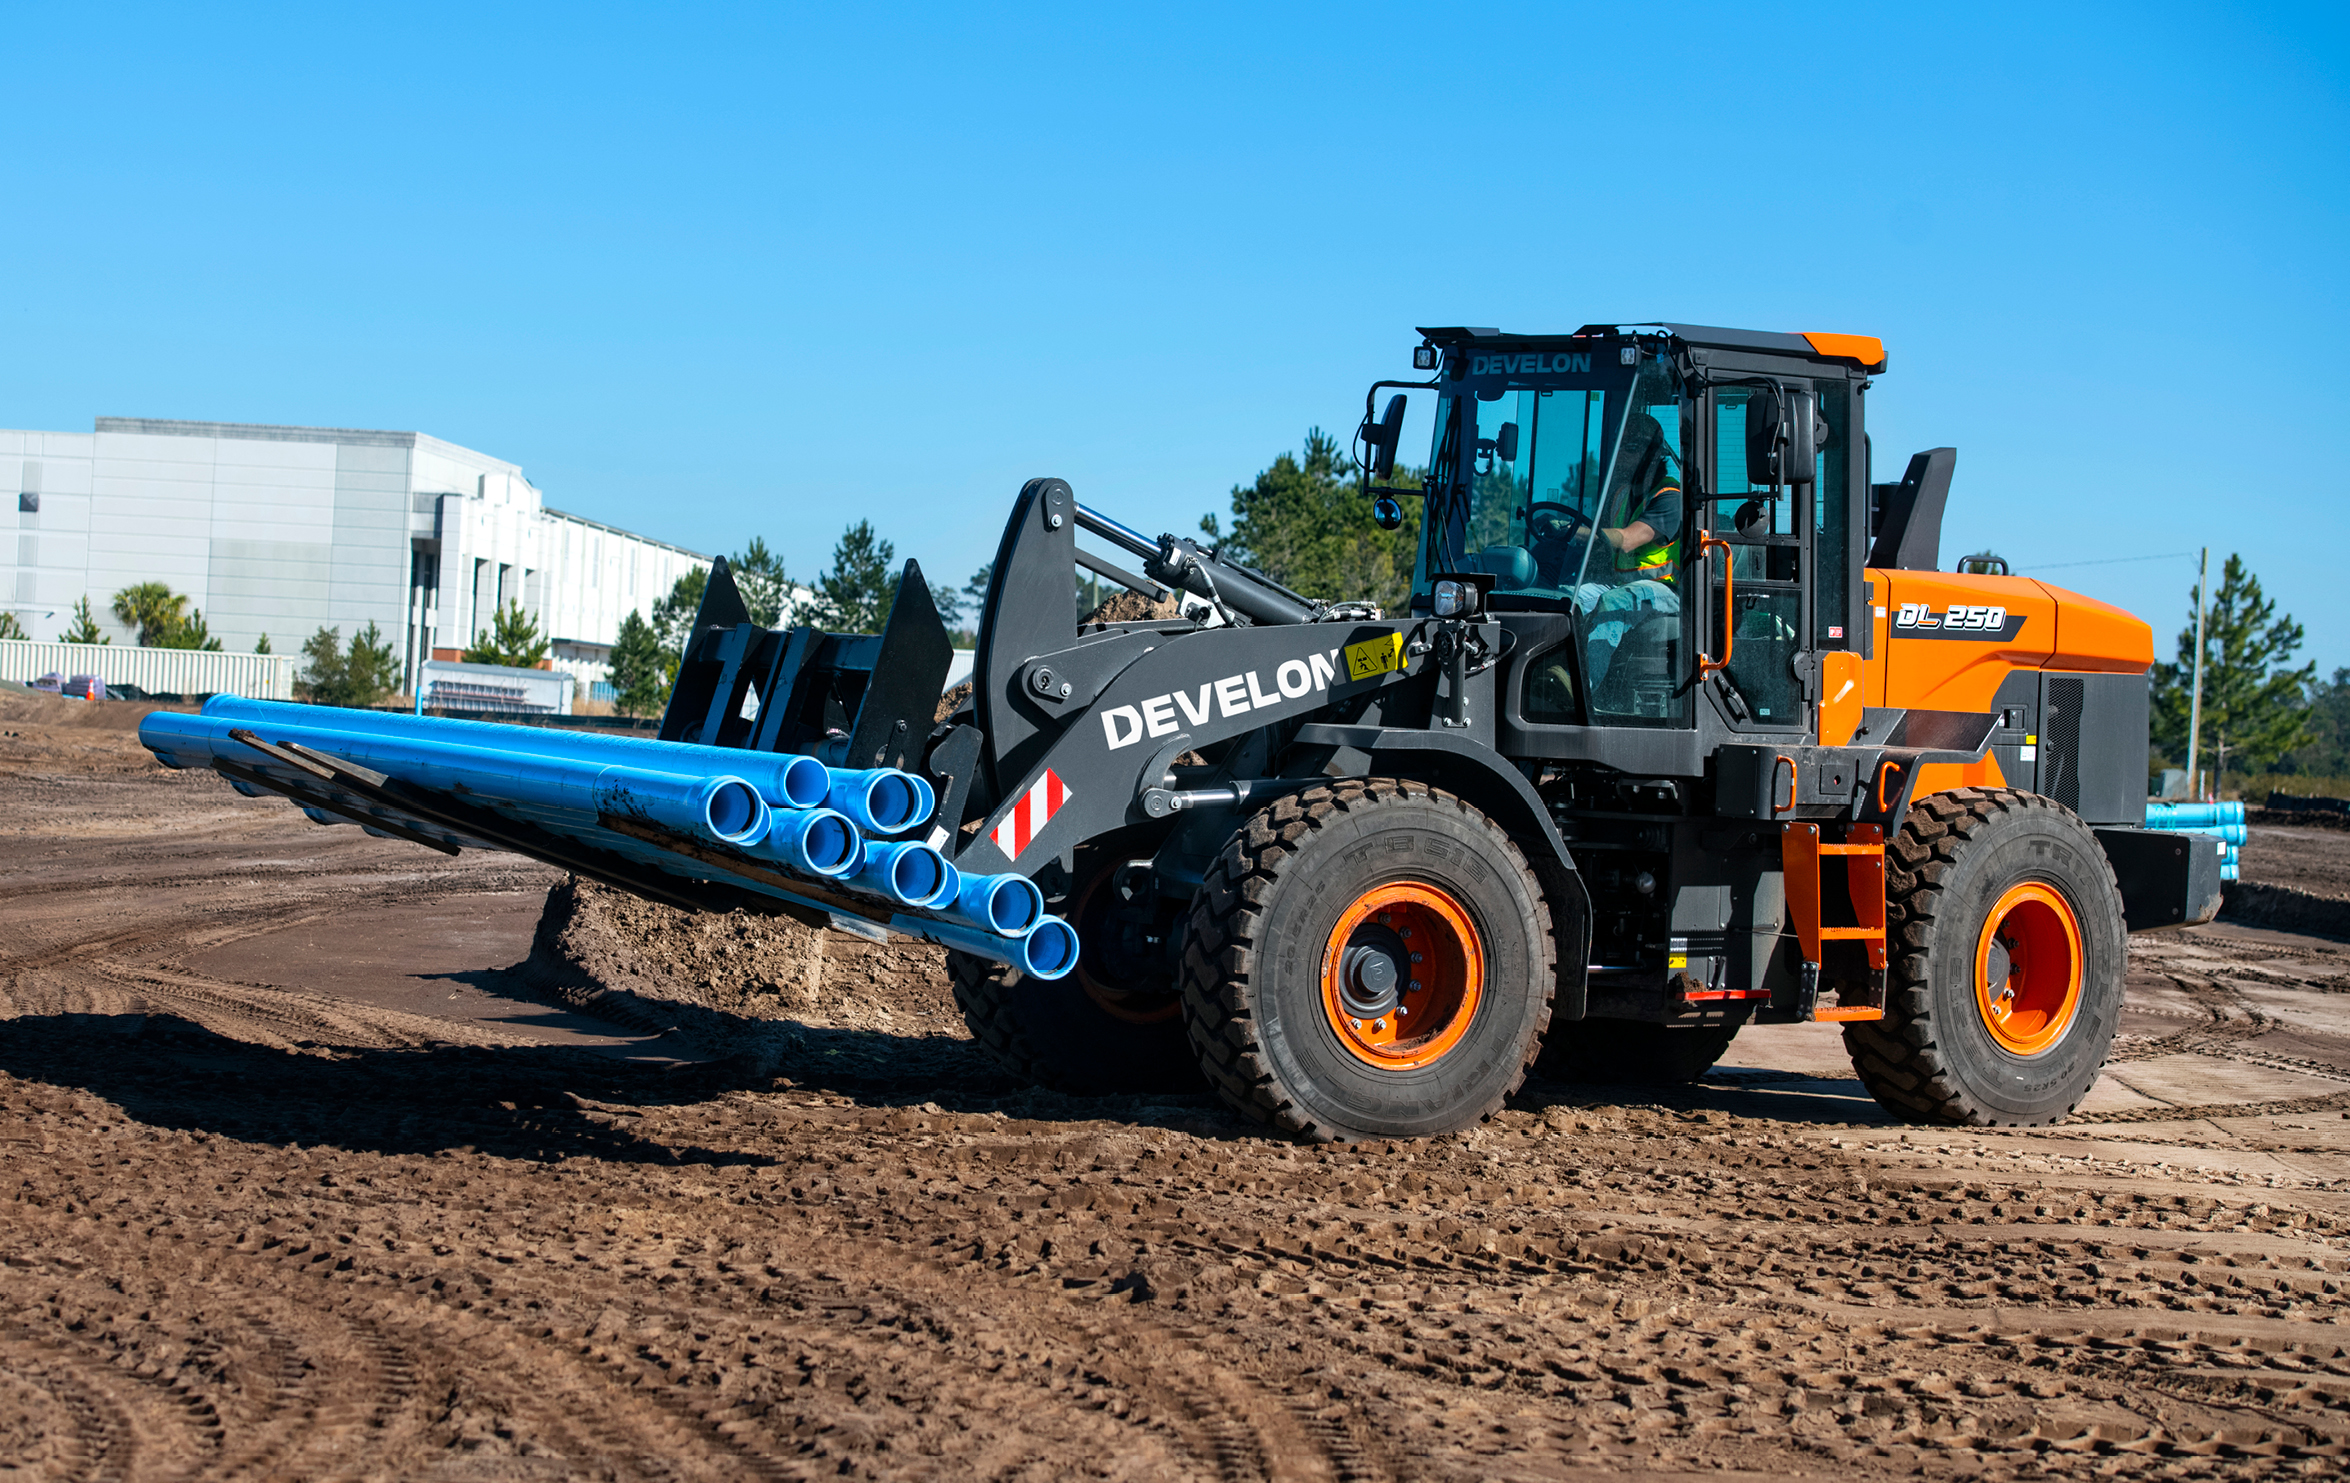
1681, 730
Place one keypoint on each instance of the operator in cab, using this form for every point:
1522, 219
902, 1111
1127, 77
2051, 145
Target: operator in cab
1632, 565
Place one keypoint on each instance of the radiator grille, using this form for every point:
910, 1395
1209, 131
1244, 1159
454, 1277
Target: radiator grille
2060, 743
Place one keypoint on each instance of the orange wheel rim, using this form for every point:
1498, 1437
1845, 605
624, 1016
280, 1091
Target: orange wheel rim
1402, 976
2028, 969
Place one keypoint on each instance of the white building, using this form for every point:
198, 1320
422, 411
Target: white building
283, 530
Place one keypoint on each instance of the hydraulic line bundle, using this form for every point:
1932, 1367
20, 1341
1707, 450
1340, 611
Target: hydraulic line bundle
650, 816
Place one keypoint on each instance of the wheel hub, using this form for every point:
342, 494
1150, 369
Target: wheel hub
1372, 971
1402, 975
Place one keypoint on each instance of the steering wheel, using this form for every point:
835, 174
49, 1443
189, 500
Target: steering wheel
1548, 520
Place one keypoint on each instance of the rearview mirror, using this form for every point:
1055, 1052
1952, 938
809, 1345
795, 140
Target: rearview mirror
1505, 443
1781, 437
1382, 437
1386, 512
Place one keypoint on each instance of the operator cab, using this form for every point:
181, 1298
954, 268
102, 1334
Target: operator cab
1589, 477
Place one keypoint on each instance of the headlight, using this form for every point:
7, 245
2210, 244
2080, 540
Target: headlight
1455, 598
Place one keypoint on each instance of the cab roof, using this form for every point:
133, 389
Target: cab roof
1865, 352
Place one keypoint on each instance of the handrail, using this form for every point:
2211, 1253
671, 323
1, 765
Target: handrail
1705, 665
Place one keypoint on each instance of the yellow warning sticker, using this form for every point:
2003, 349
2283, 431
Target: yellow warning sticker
1677, 960
1373, 657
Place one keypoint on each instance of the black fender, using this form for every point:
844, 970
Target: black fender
1490, 781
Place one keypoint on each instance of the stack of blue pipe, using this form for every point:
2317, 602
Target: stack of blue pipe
778, 811
2223, 819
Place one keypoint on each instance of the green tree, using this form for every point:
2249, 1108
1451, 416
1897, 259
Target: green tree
263, 646
642, 668
10, 628
673, 612
512, 639
2325, 752
360, 677
960, 608
190, 633
84, 628
154, 610
760, 581
2252, 702
1306, 524
855, 594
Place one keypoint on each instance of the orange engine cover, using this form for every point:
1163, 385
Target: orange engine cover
1946, 640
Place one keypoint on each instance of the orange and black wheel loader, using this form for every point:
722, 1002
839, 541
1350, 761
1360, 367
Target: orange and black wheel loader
1681, 731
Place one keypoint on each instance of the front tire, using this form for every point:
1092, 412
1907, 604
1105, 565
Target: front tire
1368, 959
1112, 1027
2007, 949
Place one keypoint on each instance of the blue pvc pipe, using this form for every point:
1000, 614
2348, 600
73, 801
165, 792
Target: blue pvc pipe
881, 799
2195, 817
1006, 905
784, 779
1048, 951
714, 806
911, 874
814, 841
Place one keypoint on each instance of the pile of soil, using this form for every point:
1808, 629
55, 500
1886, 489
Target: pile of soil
595, 942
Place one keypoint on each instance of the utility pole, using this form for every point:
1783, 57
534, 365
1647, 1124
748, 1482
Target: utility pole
2195, 699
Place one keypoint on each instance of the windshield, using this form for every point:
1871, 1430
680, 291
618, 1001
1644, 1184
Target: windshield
1555, 491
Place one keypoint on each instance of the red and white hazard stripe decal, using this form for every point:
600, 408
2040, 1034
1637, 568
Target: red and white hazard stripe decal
1029, 816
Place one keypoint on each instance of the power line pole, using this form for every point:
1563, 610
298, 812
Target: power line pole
2195, 699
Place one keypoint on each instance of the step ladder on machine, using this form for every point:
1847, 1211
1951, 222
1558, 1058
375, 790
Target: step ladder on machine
1849, 955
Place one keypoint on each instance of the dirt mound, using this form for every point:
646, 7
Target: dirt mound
609, 952
1133, 607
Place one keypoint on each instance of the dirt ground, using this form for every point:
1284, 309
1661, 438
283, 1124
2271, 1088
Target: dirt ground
332, 1157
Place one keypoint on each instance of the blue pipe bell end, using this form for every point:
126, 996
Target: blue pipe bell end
910, 874
733, 811
1050, 951
881, 799
1008, 905
815, 841
1049, 958
804, 782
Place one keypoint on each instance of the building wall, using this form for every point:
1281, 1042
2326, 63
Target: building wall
284, 530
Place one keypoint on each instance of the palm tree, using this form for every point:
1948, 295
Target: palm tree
153, 609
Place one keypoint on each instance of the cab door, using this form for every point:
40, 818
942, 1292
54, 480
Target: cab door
1756, 615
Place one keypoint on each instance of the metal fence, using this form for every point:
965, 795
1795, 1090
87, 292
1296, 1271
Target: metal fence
156, 671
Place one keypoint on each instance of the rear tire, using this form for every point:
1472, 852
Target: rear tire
1112, 1027
1631, 1052
1368, 959
2007, 946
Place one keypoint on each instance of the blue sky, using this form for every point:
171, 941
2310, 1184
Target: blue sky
712, 272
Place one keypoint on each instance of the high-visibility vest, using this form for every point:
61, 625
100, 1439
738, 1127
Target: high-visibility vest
1657, 560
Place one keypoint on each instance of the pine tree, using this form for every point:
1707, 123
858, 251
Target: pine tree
84, 628
2251, 702
1306, 524
10, 628
190, 632
855, 595
361, 677
642, 668
263, 646
760, 581
512, 640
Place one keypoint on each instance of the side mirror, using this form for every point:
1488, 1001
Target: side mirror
1386, 513
1781, 437
1505, 443
1383, 436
